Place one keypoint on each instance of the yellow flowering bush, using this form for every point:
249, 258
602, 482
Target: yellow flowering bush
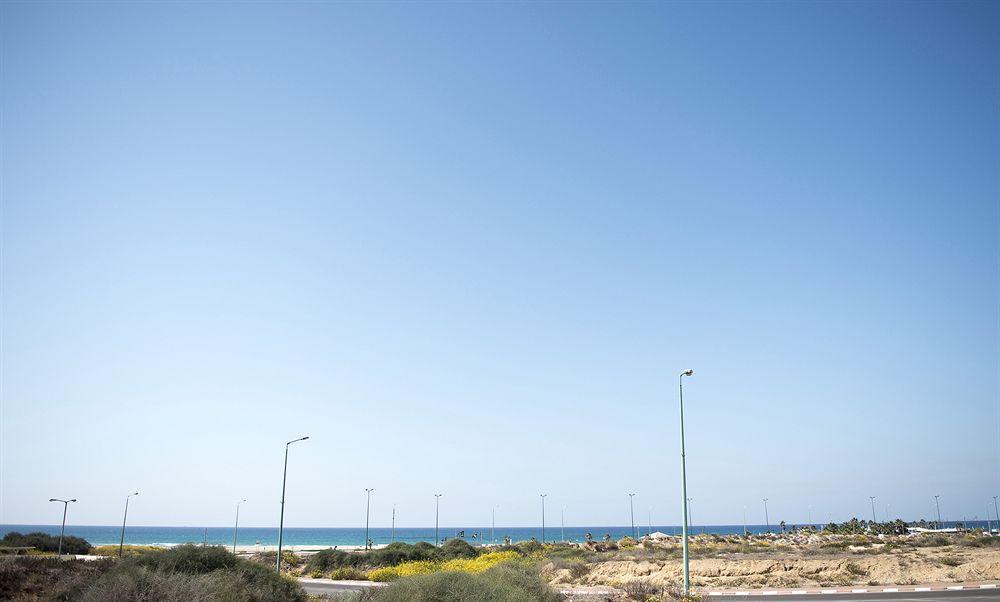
407, 569
424, 567
480, 564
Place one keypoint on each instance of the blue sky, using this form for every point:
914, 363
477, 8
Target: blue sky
467, 248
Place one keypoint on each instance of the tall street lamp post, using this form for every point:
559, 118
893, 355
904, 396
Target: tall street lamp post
996, 511
631, 511
65, 504
392, 532
236, 527
938, 506
281, 521
437, 508
767, 520
542, 495
872, 498
684, 484
368, 507
493, 527
121, 545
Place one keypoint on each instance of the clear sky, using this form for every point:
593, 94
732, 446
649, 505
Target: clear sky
468, 248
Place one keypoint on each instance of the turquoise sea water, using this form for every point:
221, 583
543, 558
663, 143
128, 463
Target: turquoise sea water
248, 536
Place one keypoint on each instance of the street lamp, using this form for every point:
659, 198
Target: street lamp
631, 511
281, 522
996, 511
493, 528
562, 524
368, 508
437, 508
684, 484
392, 533
767, 521
236, 528
65, 504
121, 545
938, 506
872, 498
542, 495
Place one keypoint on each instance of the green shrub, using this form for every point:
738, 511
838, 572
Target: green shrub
391, 555
509, 582
457, 548
348, 573
855, 569
46, 543
327, 560
930, 541
249, 582
187, 573
188, 559
399, 552
46, 577
530, 546
567, 552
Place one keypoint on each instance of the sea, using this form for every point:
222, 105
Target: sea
320, 536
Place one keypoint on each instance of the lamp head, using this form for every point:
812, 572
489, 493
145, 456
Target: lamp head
688, 372
54, 500
73, 500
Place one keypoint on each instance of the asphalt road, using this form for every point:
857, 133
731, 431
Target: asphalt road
965, 595
320, 587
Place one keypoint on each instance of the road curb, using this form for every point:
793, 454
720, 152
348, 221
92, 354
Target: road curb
853, 590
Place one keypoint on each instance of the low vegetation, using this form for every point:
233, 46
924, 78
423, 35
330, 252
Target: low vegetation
181, 574
505, 582
127, 550
327, 562
43, 542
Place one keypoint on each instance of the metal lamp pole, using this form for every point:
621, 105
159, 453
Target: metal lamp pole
392, 533
236, 528
437, 508
368, 507
938, 506
872, 498
684, 485
281, 521
631, 511
562, 523
65, 504
996, 511
690, 514
542, 495
121, 545
493, 528
767, 521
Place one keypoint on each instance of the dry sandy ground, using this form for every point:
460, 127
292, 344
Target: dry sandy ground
949, 564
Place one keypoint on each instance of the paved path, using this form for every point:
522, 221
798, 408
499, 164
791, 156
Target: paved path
319, 587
